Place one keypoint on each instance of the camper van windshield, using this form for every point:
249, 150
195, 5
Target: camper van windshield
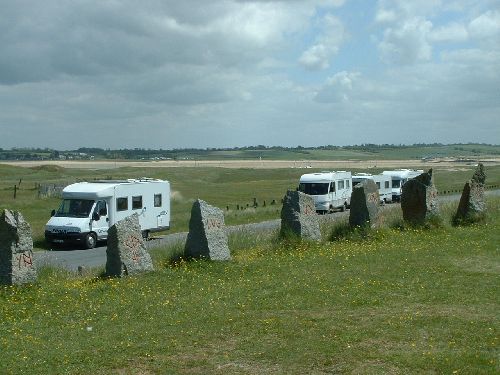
396, 183
314, 188
75, 208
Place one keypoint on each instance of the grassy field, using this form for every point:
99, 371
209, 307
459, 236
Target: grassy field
400, 302
221, 187
369, 153
366, 152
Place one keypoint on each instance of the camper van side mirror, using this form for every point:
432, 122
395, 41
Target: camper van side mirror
95, 216
52, 213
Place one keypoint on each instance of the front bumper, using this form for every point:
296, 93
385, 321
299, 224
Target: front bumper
322, 206
71, 237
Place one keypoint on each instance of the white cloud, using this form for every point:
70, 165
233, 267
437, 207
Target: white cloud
385, 16
326, 46
339, 87
423, 102
487, 25
453, 32
407, 43
396, 10
165, 73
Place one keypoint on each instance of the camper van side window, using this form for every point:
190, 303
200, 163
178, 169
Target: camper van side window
378, 184
341, 184
122, 204
137, 202
332, 187
157, 200
387, 184
347, 184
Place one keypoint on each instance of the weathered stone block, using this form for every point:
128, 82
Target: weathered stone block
207, 237
365, 203
419, 199
298, 215
126, 253
472, 206
16, 250
479, 175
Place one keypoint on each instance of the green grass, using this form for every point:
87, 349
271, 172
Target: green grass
472, 151
220, 187
366, 152
404, 302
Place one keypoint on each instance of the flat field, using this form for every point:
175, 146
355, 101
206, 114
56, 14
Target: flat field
400, 301
256, 163
227, 188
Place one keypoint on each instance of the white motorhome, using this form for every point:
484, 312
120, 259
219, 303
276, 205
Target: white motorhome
398, 179
383, 183
88, 209
330, 190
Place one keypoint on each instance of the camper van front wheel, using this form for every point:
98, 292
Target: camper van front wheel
90, 240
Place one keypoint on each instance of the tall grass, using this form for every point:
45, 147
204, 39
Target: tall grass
220, 187
404, 301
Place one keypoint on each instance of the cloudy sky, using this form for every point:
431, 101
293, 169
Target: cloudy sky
223, 73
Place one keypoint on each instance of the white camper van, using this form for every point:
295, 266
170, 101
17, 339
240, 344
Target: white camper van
330, 190
398, 178
383, 183
88, 209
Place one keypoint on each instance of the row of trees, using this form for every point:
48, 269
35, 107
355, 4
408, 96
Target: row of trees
182, 153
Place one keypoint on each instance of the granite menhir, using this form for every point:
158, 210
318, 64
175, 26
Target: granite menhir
16, 250
419, 199
472, 206
298, 215
365, 203
126, 253
207, 237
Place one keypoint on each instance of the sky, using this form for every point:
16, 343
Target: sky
231, 73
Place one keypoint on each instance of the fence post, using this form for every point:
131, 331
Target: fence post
15, 191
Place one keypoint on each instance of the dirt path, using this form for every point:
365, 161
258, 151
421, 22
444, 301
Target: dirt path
257, 164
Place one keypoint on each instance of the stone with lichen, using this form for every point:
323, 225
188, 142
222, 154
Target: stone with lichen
365, 203
126, 253
472, 206
207, 237
16, 250
419, 199
298, 216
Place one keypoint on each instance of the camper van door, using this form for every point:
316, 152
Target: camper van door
101, 225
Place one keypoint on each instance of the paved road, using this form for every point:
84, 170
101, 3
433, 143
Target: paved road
72, 259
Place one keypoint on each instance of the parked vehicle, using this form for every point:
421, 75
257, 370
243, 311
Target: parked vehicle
330, 190
383, 183
88, 209
398, 178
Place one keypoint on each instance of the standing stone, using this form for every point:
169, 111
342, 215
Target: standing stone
126, 253
479, 175
16, 250
472, 206
207, 237
298, 215
365, 203
419, 200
